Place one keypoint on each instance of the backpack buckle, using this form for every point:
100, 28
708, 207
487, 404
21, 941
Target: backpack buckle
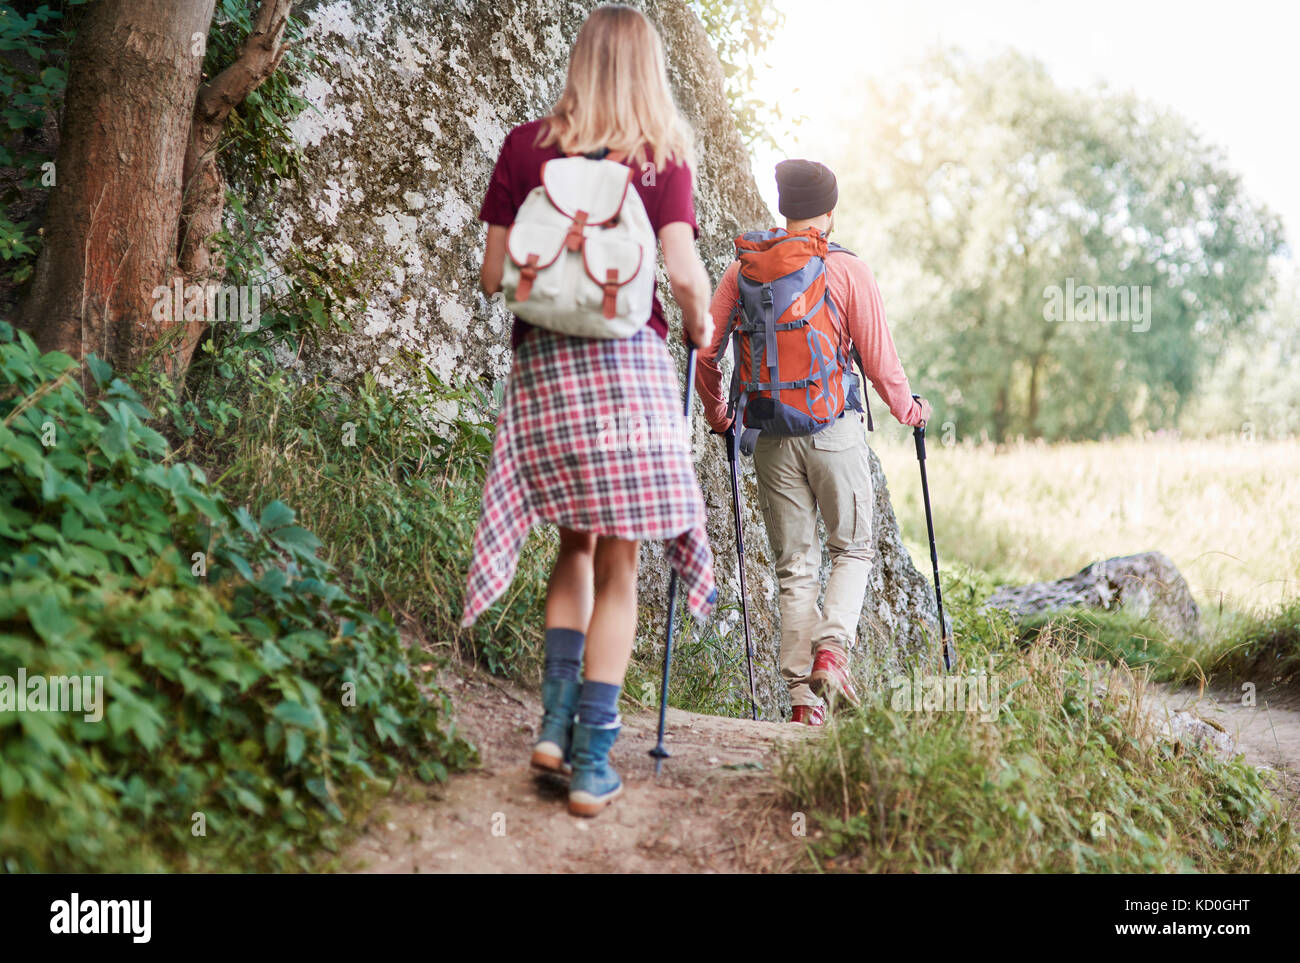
610, 287
573, 240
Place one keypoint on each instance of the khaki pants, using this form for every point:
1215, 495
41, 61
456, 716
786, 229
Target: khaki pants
796, 477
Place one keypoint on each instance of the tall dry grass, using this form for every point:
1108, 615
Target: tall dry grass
1226, 511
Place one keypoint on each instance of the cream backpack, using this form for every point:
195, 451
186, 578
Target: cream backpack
580, 256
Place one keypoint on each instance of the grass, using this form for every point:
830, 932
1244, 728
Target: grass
709, 673
895, 790
1261, 648
1214, 506
1115, 637
1066, 778
889, 789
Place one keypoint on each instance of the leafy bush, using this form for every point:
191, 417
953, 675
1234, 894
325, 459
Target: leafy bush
241, 682
33, 55
257, 149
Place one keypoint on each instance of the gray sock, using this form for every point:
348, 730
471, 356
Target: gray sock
598, 703
564, 654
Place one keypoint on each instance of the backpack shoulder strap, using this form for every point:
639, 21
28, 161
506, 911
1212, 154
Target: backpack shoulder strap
864, 386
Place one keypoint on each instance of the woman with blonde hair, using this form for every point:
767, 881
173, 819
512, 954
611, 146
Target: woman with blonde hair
565, 450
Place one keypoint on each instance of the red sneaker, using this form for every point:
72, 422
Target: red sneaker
808, 715
830, 675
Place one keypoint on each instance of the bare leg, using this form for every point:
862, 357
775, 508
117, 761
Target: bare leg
569, 592
612, 630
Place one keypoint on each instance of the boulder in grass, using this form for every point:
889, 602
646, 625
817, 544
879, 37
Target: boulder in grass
1147, 585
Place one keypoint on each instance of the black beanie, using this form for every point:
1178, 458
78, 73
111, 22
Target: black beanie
805, 189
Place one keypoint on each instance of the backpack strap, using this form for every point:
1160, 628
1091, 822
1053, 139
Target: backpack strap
604, 153
731, 334
743, 439
864, 387
865, 384
769, 331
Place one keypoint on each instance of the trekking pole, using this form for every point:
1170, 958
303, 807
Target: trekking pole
733, 443
949, 653
659, 752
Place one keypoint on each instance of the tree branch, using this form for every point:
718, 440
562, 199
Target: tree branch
203, 191
257, 60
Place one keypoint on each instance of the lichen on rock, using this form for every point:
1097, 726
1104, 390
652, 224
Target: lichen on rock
1147, 585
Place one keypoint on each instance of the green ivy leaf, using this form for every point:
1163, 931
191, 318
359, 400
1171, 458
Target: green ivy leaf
276, 515
295, 539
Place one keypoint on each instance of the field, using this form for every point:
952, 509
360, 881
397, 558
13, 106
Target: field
1224, 510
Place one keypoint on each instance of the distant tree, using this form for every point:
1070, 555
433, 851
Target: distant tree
741, 31
1254, 392
982, 189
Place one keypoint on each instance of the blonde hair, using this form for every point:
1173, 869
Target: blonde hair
617, 95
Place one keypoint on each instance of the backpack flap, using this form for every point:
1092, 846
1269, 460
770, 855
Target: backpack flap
531, 247
767, 255
584, 190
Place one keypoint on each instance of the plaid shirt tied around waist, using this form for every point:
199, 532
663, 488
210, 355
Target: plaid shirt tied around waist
591, 438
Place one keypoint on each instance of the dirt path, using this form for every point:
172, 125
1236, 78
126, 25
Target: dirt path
1266, 733
710, 810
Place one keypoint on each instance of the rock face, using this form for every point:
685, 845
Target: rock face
412, 101
1145, 585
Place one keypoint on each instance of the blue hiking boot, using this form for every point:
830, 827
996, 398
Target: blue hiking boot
595, 784
551, 752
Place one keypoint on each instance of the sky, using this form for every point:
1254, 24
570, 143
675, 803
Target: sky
1232, 69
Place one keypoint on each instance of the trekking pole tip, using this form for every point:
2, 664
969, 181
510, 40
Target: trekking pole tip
660, 754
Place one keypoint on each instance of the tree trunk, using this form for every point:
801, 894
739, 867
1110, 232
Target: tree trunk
139, 192
1000, 414
1035, 369
111, 225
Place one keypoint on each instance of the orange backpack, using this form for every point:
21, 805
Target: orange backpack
792, 355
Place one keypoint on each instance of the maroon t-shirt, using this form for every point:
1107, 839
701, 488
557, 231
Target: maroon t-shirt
668, 197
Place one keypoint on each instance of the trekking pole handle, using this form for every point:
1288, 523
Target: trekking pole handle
918, 434
690, 379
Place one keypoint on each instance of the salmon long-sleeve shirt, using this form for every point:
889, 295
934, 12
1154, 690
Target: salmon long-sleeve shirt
856, 296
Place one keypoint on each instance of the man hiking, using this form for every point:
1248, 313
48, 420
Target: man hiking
798, 310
